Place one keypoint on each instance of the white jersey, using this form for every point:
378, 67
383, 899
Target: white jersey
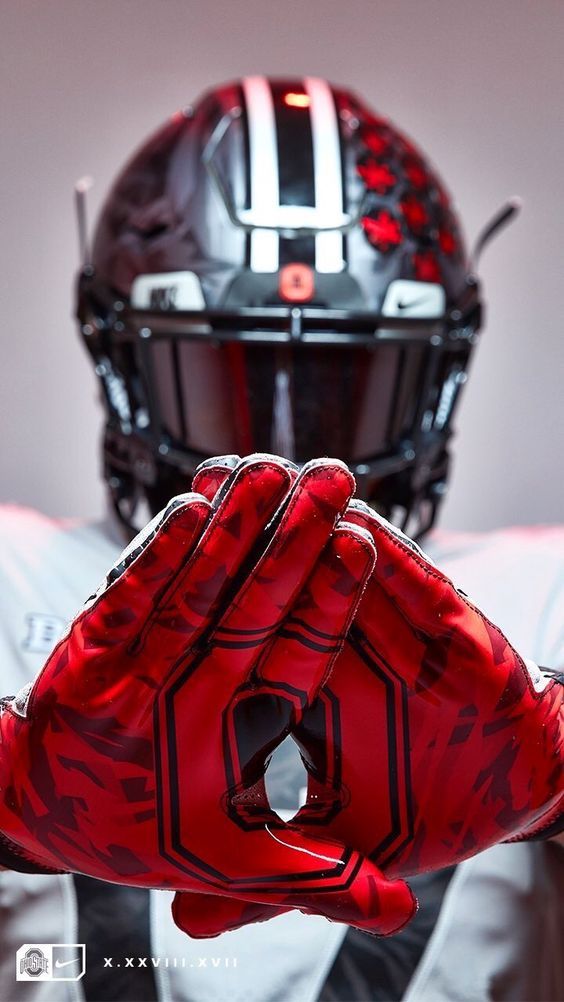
492, 939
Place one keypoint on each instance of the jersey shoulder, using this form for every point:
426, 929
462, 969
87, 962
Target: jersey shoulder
16, 520
516, 576
31, 541
521, 542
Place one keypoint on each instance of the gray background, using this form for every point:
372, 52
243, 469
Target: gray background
479, 85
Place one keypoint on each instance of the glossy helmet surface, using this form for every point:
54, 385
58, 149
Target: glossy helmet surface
279, 269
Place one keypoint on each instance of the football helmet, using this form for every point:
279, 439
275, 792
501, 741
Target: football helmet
279, 269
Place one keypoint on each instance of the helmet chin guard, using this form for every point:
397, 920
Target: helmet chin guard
278, 269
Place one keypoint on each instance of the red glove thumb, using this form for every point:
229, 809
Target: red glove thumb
205, 915
360, 896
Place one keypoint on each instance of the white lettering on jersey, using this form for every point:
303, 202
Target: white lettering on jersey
43, 631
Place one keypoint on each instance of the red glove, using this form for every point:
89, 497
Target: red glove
470, 739
432, 739
127, 756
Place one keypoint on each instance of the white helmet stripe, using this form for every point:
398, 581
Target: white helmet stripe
264, 177
328, 173
263, 155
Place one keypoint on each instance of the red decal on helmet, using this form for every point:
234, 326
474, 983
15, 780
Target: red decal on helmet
447, 242
382, 230
416, 172
376, 176
375, 141
415, 214
426, 267
296, 283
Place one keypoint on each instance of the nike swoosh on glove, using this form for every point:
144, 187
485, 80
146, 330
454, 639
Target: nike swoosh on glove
432, 739
124, 759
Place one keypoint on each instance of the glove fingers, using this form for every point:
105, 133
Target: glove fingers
212, 474
152, 559
205, 915
244, 507
308, 643
422, 594
117, 615
319, 496
293, 666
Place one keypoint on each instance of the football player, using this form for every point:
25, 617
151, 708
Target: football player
279, 270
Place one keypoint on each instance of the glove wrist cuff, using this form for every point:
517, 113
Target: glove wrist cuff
13, 857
